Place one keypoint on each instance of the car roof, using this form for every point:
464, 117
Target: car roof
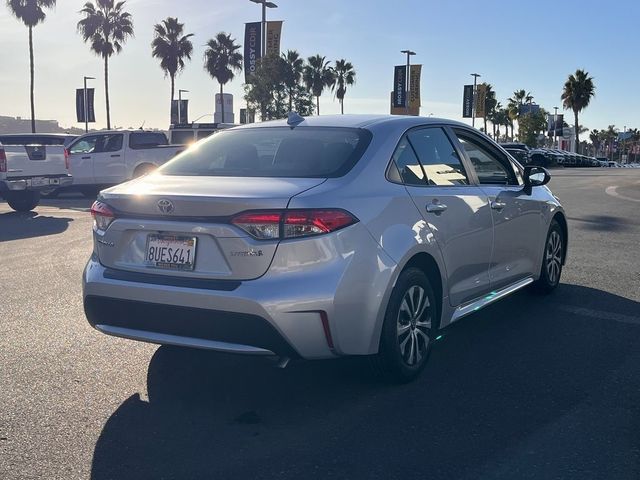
50, 135
356, 121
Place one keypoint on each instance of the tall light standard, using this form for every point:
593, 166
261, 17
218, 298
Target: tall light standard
406, 98
555, 127
86, 105
265, 4
624, 139
180, 105
475, 86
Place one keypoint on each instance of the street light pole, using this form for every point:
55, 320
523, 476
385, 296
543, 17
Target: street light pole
555, 126
406, 98
86, 106
473, 109
265, 4
180, 105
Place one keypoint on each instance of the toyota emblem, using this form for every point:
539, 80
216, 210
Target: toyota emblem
165, 206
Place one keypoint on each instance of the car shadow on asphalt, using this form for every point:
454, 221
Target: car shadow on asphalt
495, 380
605, 222
20, 225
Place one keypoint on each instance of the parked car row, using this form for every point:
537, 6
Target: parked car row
551, 157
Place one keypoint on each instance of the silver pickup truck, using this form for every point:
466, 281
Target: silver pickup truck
26, 170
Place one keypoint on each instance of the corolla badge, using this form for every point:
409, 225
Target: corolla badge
165, 206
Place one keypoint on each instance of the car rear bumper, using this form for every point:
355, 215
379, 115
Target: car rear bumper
45, 182
328, 308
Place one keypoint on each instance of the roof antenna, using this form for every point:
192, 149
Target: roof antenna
293, 119
143, 122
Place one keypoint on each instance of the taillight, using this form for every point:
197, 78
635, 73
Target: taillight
102, 215
282, 224
66, 159
3, 161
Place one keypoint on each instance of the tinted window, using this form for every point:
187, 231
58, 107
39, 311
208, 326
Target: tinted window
31, 140
200, 134
487, 164
273, 152
439, 159
409, 167
111, 143
86, 145
182, 137
146, 139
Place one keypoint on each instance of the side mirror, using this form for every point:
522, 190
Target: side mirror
535, 177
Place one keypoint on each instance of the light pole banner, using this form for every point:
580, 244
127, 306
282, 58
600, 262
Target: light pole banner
554, 126
184, 112
274, 31
400, 86
414, 86
252, 48
80, 110
467, 102
481, 97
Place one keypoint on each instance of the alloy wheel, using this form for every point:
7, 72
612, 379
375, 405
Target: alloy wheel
554, 256
414, 325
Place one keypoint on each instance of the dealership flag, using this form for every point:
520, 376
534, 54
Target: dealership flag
467, 102
414, 86
80, 105
400, 86
554, 127
252, 48
274, 31
184, 112
481, 97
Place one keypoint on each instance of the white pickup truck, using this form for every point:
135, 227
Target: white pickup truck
107, 158
26, 170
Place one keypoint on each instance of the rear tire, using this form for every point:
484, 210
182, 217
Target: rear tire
410, 327
552, 259
23, 201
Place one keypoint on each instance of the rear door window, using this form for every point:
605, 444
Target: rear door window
111, 142
307, 152
439, 159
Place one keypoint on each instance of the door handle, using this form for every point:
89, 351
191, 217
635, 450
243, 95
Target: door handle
496, 205
436, 208
113, 156
86, 158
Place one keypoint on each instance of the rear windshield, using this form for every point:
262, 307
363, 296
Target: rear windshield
31, 140
310, 152
146, 139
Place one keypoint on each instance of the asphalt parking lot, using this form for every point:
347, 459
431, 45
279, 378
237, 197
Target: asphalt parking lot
532, 387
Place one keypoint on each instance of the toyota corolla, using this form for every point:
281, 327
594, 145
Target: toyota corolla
322, 237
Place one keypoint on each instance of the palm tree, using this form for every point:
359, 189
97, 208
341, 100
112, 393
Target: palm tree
293, 67
576, 95
106, 26
31, 13
489, 104
171, 47
221, 60
343, 75
317, 75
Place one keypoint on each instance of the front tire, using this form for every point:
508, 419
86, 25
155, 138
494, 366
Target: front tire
410, 327
23, 201
552, 259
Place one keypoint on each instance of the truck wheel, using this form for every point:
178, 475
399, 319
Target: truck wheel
143, 169
23, 201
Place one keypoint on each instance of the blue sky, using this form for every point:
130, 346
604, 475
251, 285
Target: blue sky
514, 45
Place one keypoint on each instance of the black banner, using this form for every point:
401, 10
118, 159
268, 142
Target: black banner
554, 126
252, 48
184, 112
400, 86
467, 102
80, 110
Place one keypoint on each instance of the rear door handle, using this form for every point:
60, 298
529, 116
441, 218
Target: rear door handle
86, 158
436, 208
113, 156
496, 205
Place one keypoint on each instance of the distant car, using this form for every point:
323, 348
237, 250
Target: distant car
37, 139
322, 237
519, 151
193, 132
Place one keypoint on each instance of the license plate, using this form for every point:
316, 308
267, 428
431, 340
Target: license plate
39, 181
172, 252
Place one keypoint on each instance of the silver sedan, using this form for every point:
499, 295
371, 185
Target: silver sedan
322, 237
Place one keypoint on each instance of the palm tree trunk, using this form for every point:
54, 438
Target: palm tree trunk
221, 104
318, 105
33, 110
484, 121
342, 106
577, 128
291, 99
172, 94
106, 90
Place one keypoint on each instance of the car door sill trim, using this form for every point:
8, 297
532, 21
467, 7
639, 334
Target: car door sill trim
475, 305
166, 339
